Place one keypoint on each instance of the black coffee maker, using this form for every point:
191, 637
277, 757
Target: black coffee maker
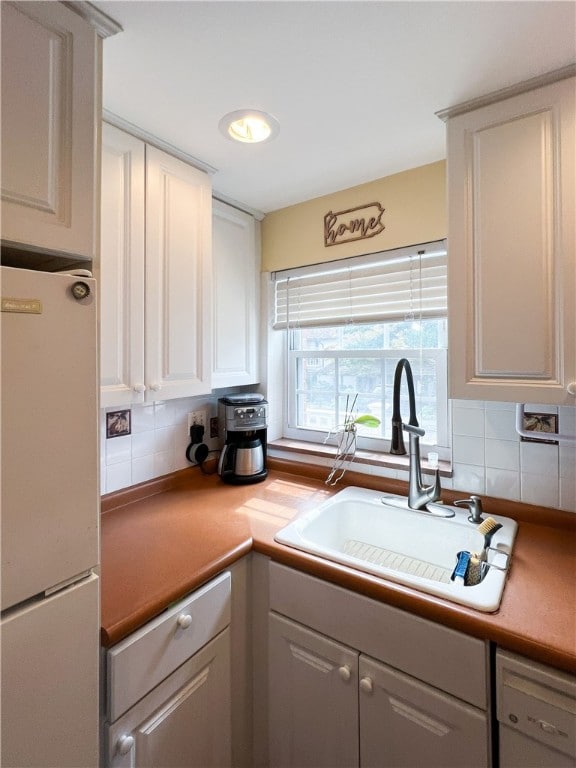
242, 424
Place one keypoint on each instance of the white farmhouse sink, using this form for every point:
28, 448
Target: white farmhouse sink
377, 533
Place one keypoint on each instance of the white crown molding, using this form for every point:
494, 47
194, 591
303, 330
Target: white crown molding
258, 215
149, 138
105, 25
506, 93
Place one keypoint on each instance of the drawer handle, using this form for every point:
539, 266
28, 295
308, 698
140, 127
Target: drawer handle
125, 744
184, 620
344, 672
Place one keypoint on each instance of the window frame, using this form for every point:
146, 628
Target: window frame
376, 444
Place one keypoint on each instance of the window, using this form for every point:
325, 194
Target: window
347, 325
331, 368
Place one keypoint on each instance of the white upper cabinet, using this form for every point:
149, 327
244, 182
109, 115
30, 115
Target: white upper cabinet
120, 271
178, 278
236, 263
512, 273
155, 274
49, 101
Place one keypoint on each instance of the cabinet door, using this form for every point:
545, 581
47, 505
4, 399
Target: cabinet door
49, 69
120, 270
178, 278
511, 177
313, 699
404, 723
236, 290
184, 722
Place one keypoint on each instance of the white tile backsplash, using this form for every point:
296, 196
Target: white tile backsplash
503, 483
468, 421
142, 419
468, 477
487, 454
118, 476
118, 450
502, 454
539, 459
142, 469
157, 445
568, 492
468, 450
540, 489
500, 423
567, 455
535, 473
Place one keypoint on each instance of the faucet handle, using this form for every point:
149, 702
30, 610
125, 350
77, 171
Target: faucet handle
474, 504
413, 430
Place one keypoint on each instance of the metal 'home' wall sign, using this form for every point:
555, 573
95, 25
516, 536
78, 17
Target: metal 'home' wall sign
353, 224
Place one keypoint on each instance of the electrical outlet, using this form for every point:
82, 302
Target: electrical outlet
214, 427
197, 417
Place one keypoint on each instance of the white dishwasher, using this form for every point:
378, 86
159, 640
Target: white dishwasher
536, 707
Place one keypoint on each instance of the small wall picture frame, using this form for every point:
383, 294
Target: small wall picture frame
541, 424
118, 423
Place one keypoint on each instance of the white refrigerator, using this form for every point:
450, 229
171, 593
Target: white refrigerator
49, 631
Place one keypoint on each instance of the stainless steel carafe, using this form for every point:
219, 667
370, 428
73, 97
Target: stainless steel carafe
243, 458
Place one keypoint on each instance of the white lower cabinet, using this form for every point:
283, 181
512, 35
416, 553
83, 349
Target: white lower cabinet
404, 723
313, 699
168, 696
331, 705
184, 722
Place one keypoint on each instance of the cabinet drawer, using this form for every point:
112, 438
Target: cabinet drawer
442, 657
137, 664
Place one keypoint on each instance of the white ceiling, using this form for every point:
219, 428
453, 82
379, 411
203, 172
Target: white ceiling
354, 84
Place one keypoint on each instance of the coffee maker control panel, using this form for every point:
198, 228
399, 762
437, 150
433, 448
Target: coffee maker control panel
246, 417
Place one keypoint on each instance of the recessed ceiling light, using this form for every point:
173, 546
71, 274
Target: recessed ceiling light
249, 126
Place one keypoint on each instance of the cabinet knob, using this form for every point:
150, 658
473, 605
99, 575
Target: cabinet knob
155, 387
572, 388
139, 388
184, 620
366, 685
125, 744
344, 672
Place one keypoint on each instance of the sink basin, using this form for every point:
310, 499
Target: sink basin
377, 533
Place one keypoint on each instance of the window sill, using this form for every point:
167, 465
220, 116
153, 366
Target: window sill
373, 458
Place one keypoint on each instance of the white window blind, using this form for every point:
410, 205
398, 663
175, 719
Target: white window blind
390, 285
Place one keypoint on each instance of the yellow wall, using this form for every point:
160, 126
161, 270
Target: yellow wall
415, 212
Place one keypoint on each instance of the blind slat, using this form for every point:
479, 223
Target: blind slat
391, 285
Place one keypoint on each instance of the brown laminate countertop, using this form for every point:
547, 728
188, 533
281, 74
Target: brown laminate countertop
157, 549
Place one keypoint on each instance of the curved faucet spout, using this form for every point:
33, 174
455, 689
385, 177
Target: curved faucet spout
418, 494
397, 446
